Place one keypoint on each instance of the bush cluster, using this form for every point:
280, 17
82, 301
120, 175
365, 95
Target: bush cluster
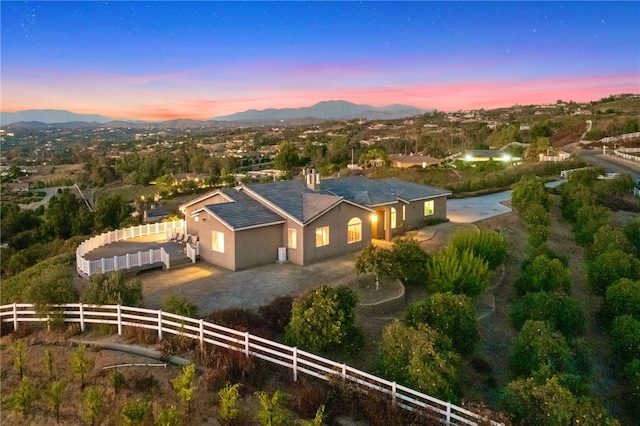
613, 266
549, 362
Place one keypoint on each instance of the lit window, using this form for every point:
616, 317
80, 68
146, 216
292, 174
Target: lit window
393, 217
354, 230
428, 208
322, 236
217, 241
293, 238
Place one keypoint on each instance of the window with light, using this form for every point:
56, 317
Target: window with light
322, 236
428, 208
354, 230
217, 241
394, 216
293, 238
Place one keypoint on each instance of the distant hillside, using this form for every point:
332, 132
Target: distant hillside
328, 110
49, 116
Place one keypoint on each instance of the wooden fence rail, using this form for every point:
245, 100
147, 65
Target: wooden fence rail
207, 333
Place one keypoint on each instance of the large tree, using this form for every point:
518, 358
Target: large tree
287, 157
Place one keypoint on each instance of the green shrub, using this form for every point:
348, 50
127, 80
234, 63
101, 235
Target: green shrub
229, 401
611, 266
547, 403
451, 314
488, 245
632, 374
542, 273
632, 232
457, 271
419, 357
112, 289
560, 311
622, 298
272, 411
324, 319
409, 261
538, 346
625, 338
588, 219
180, 305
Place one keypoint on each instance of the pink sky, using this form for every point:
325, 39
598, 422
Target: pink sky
183, 95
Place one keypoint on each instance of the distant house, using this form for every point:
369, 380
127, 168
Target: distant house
18, 186
403, 161
478, 155
155, 214
306, 221
559, 156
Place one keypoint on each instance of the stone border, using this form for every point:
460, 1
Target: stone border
384, 307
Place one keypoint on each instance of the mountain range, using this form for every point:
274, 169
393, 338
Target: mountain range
326, 110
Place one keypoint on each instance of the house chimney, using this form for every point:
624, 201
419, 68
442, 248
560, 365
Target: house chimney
313, 179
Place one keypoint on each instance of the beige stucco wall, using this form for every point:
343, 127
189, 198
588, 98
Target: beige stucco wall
226, 259
415, 212
258, 246
337, 220
295, 256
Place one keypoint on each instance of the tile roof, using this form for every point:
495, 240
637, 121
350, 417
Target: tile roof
295, 199
371, 192
243, 211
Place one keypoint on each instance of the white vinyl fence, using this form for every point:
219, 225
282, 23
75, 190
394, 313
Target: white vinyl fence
129, 260
624, 153
624, 137
207, 333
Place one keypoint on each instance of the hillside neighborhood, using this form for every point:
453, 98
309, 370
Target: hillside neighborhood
485, 260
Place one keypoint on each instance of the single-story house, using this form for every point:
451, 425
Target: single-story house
306, 221
472, 156
404, 161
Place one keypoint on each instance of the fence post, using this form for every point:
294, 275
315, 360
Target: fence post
246, 344
128, 261
201, 334
295, 364
394, 392
448, 413
81, 317
139, 258
115, 263
344, 371
103, 264
150, 256
119, 311
15, 316
159, 325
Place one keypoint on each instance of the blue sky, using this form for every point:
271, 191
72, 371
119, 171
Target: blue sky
205, 59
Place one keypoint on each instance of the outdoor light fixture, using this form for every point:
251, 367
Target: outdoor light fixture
374, 217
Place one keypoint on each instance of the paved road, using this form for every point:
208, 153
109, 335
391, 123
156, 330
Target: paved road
612, 163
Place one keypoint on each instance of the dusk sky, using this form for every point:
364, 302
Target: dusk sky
164, 60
